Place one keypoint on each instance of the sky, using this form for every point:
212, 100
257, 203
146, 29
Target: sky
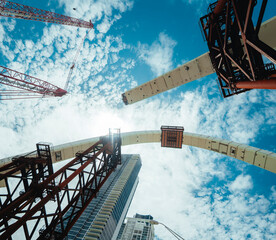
197, 193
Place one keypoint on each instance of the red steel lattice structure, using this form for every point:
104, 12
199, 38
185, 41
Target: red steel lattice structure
16, 10
236, 51
72, 187
31, 87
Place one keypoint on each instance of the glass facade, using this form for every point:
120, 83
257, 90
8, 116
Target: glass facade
103, 217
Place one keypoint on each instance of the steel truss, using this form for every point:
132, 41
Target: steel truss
48, 195
16, 10
31, 86
236, 51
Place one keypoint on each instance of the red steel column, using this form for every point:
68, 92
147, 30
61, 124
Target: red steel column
261, 84
219, 7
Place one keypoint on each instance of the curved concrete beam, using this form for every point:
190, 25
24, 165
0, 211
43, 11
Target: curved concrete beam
255, 156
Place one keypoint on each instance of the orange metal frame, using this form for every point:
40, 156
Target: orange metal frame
172, 136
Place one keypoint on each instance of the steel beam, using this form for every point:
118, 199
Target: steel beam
236, 51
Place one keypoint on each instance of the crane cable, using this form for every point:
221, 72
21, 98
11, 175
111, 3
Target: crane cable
74, 61
177, 236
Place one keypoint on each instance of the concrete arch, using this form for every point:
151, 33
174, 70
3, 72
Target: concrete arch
255, 156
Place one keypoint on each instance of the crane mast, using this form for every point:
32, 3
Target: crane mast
16, 10
29, 86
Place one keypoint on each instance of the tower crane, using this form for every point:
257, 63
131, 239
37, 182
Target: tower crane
31, 87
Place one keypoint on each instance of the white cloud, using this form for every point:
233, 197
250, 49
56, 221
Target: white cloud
168, 177
158, 55
95, 10
106, 24
273, 193
241, 183
6, 25
173, 183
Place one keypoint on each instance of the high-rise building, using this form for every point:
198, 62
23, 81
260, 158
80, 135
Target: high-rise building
103, 217
137, 228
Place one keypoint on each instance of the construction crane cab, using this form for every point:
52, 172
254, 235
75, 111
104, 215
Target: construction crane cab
60, 92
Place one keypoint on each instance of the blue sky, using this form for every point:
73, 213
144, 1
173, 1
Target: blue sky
196, 193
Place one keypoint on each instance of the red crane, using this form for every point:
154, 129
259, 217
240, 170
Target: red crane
16, 10
31, 87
